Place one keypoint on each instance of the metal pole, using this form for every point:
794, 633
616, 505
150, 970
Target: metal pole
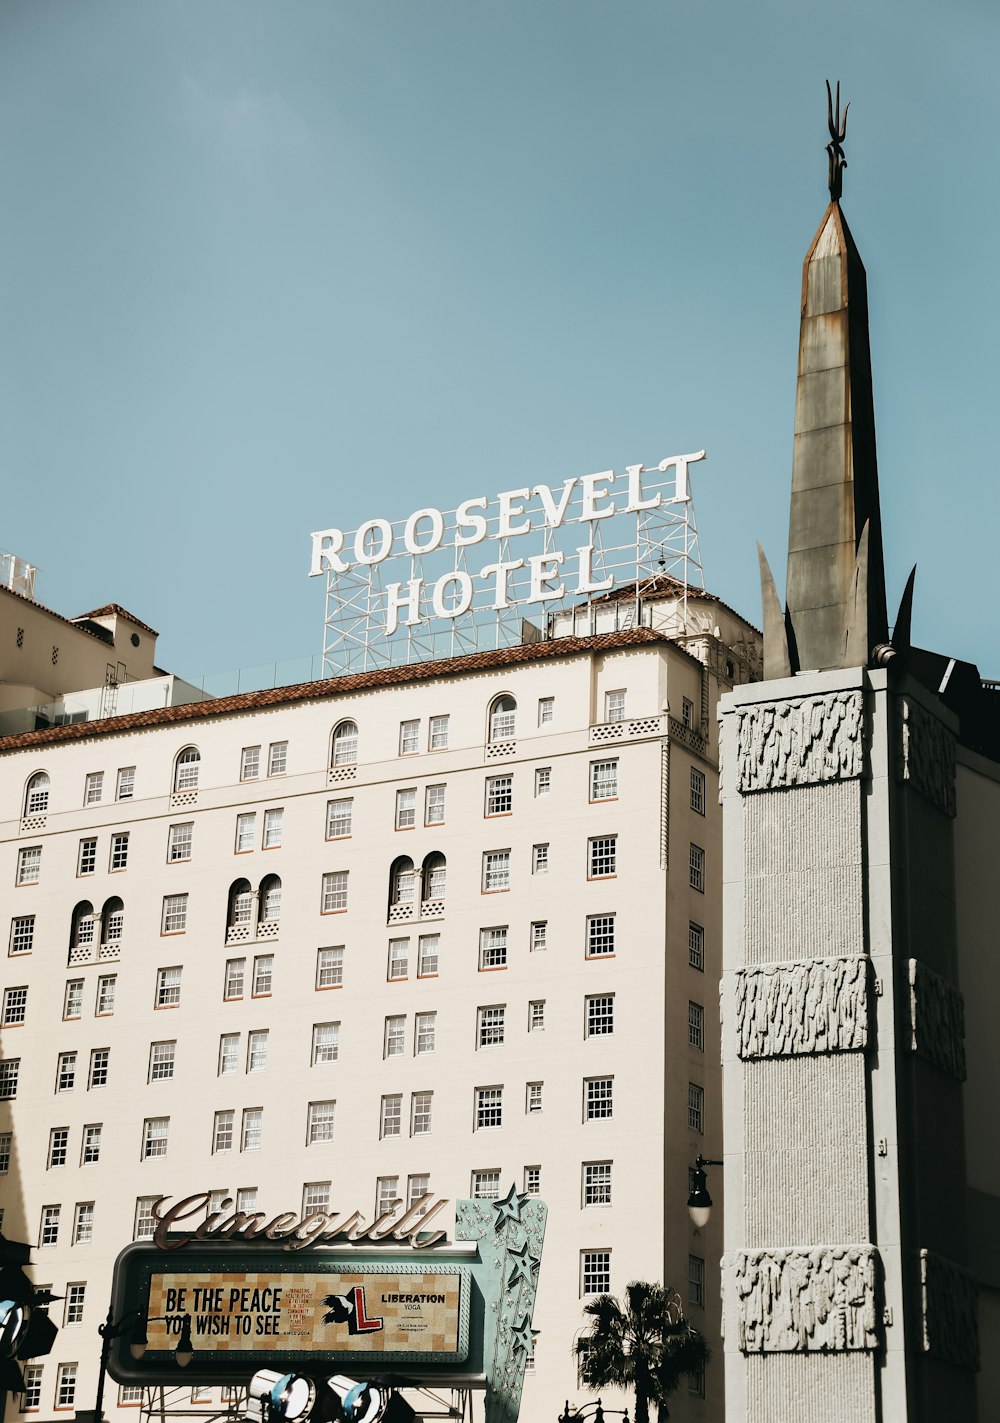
106, 1331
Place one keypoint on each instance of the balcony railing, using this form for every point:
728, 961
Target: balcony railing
252, 933
409, 913
80, 955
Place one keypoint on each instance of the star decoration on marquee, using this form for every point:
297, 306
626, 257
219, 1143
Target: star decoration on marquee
524, 1264
522, 1334
510, 1207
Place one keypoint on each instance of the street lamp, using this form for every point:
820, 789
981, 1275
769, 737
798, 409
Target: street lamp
699, 1201
597, 1416
134, 1323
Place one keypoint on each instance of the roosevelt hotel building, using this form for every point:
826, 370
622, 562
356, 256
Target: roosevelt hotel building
430, 929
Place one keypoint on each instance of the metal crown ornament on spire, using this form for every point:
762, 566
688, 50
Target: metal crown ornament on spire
837, 125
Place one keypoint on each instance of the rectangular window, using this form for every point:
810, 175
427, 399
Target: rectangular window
319, 1127
31, 1399
697, 791
539, 935
86, 858
485, 1185
129, 1395
391, 1117
246, 832
417, 1187
489, 1108
539, 859
533, 1097
73, 998
22, 934
420, 1112
174, 919
93, 788
15, 1006
29, 864
223, 1131
58, 1147
696, 1107
543, 780
229, 1054
179, 840
597, 1183
696, 946
696, 1280
496, 871
107, 987
161, 1061
277, 758
399, 959
614, 705
696, 1382
325, 1043
394, 1041
687, 711
65, 1072
249, 763
499, 795
492, 1025
100, 1058
145, 1220
696, 1026
532, 1180
119, 852
595, 1272
126, 783
600, 1015
263, 975
536, 1015
154, 1136
424, 1033
493, 947
49, 1232
90, 1151
334, 892
273, 823
696, 877
602, 856
603, 780
66, 1386
9, 1072
253, 1128
600, 935
434, 805
168, 987
437, 733
387, 1195
409, 738
598, 1098
235, 975
428, 955
257, 1050
546, 710
73, 1312
83, 1223
330, 967
315, 1196
5, 1142
339, 818
406, 808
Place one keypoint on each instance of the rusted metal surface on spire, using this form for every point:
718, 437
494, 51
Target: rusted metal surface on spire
837, 124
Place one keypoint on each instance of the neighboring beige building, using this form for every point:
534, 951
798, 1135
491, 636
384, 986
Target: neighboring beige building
429, 929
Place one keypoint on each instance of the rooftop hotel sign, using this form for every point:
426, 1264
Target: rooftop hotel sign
394, 589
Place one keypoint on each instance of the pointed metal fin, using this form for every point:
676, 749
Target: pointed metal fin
901, 627
856, 637
777, 662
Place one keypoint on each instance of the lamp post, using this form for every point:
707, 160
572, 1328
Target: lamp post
595, 1411
699, 1201
134, 1323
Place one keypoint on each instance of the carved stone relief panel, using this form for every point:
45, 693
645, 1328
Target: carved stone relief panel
806, 1006
799, 743
820, 1300
949, 1309
937, 1020
925, 755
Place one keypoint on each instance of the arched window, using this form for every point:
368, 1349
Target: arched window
240, 904
270, 898
36, 795
112, 921
83, 924
402, 881
186, 769
435, 873
345, 744
502, 712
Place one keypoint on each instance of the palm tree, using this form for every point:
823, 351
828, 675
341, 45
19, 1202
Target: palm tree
643, 1343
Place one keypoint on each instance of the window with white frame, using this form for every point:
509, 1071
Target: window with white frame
168, 986
499, 795
696, 1107
420, 1112
387, 1196
435, 876
15, 1006
335, 892
434, 800
145, 1219
595, 1272
36, 796
687, 711
489, 1108
217, 1201
437, 733
391, 1115
316, 1196
65, 1072
229, 1054
257, 1041
600, 1015
399, 959
201, 1394
696, 1280
540, 859
107, 987
696, 1026
496, 871
409, 738
503, 711
339, 818
249, 763
66, 1386
179, 841
602, 856
696, 877
22, 934
58, 1147
83, 1223
417, 1187
252, 1130
223, 1131
406, 808
86, 856
614, 705
491, 1026
428, 955
234, 978
31, 1398
246, 1199
319, 1122
73, 998
187, 769
273, 826
696, 946
532, 1180
597, 1183
100, 1061
486, 1185
90, 1145
604, 780
543, 780
493, 947
130, 1395
29, 864
125, 789
330, 967
598, 1098
536, 1015
263, 975
394, 1039
539, 935
119, 852
533, 1097
325, 1043
162, 1057
697, 791
277, 758
6, 1139
154, 1136
174, 918
424, 1033
546, 710
93, 788
345, 744
600, 935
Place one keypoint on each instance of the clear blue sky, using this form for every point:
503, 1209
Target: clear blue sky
266, 268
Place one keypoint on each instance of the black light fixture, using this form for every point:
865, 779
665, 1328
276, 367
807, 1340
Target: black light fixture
282, 1398
139, 1339
699, 1201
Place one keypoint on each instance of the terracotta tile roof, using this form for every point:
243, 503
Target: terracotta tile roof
32, 603
338, 686
116, 610
665, 586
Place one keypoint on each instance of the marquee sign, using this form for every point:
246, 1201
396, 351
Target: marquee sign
411, 1226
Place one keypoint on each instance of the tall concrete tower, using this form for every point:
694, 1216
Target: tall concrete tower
846, 1293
